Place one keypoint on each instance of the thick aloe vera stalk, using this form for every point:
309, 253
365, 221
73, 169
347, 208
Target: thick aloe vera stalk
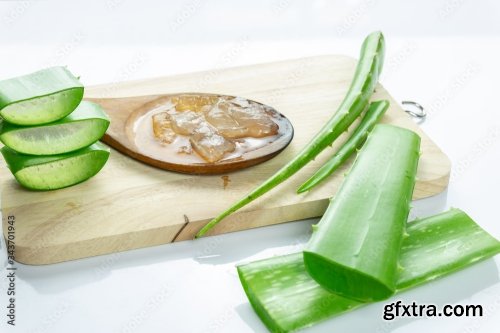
354, 250
81, 128
40, 97
56, 171
361, 89
286, 298
372, 116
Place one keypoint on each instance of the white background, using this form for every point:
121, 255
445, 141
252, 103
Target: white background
442, 53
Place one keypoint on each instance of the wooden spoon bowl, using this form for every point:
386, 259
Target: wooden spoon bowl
124, 135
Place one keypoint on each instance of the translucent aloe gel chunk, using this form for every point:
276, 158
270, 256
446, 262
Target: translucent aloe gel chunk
56, 171
40, 97
81, 128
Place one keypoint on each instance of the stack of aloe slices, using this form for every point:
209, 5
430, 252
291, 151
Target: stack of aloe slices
363, 250
50, 134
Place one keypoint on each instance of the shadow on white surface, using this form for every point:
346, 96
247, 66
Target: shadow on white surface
215, 250
429, 206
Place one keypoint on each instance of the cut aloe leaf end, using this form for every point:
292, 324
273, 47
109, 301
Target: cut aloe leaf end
40, 97
56, 171
355, 248
86, 125
286, 298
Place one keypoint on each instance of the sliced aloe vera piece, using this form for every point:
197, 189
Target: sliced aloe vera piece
56, 171
345, 254
40, 97
286, 298
81, 128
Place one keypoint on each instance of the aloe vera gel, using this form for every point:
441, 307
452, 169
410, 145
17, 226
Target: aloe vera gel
50, 134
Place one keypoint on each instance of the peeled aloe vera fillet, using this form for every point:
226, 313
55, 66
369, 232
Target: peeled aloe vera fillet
286, 298
56, 171
40, 97
345, 253
81, 128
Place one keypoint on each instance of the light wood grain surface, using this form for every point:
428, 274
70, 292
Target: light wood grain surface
131, 205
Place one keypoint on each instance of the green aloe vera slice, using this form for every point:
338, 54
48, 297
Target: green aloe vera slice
81, 128
345, 253
56, 171
40, 97
286, 298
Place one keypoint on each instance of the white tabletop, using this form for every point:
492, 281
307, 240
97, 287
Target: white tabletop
443, 54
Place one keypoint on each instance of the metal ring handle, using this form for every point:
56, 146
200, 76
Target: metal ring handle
419, 112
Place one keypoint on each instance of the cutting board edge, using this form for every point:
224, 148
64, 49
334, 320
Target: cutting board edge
441, 184
58, 253
184, 232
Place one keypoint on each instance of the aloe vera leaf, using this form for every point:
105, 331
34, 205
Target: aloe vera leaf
81, 128
362, 86
50, 172
372, 116
286, 298
345, 253
40, 97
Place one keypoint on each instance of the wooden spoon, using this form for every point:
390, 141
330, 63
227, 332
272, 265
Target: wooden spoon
123, 134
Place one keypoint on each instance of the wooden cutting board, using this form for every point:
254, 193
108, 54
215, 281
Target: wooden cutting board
131, 205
